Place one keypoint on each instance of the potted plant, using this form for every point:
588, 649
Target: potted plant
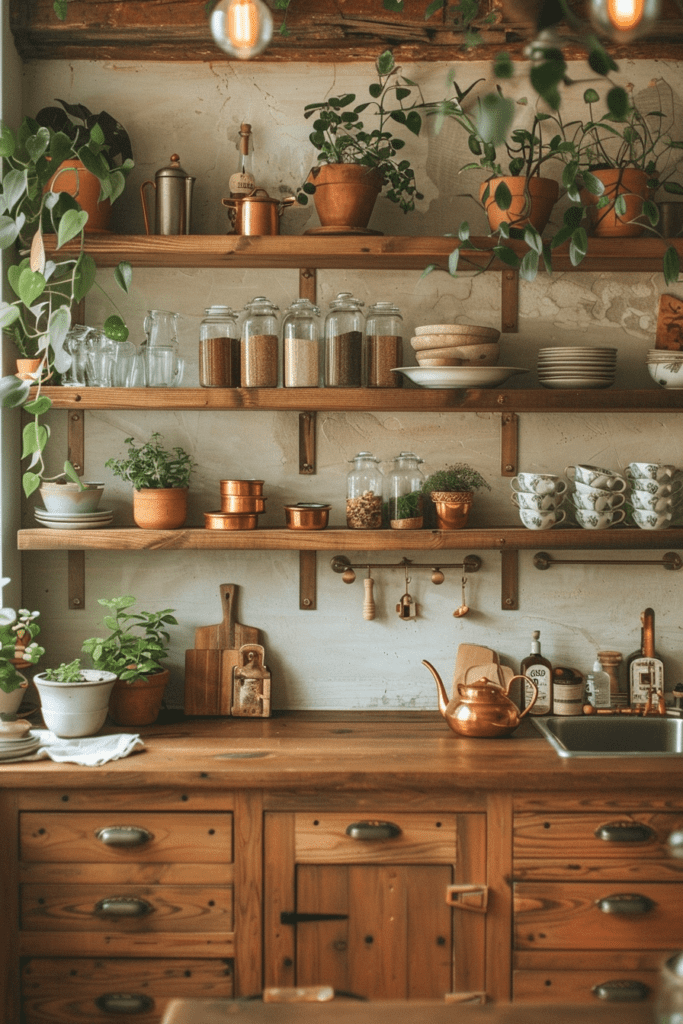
74, 700
160, 478
18, 651
356, 160
451, 491
134, 650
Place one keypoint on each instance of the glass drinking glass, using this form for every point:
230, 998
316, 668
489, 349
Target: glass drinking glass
99, 363
75, 344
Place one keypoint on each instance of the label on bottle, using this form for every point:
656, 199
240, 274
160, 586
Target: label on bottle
647, 678
241, 183
542, 676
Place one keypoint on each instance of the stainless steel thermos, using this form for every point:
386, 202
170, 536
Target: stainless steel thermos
173, 200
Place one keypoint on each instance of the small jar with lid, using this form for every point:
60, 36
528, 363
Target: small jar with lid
383, 346
219, 348
344, 342
259, 344
403, 493
364, 493
301, 345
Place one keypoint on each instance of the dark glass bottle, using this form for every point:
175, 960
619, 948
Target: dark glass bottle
538, 668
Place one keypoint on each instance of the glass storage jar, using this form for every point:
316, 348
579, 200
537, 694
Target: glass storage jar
403, 493
344, 342
259, 344
219, 348
301, 345
364, 493
383, 346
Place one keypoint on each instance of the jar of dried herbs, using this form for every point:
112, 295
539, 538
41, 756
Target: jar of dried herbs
364, 493
344, 342
403, 493
301, 345
259, 359
383, 346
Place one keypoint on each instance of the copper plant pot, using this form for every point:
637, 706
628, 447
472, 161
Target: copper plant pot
345, 194
452, 508
532, 201
632, 185
161, 508
224, 521
73, 177
254, 487
307, 516
138, 702
239, 504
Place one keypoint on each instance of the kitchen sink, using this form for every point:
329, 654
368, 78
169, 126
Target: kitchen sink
613, 736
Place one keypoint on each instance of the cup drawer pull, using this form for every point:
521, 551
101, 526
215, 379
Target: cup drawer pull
625, 832
675, 843
124, 835
123, 906
621, 991
124, 1002
626, 903
373, 830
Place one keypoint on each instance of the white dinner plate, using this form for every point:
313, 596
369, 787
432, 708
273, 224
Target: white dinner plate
459, 376
77, 517
576, 382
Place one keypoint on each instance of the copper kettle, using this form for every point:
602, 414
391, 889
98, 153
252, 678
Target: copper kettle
256, 213
484, 709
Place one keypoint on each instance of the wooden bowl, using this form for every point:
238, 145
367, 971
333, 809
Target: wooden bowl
224, 521
423, 341
242, 504
242, 487
467, 355
485, 333
438, 362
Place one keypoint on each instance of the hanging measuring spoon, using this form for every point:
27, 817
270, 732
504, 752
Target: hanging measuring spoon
464, 607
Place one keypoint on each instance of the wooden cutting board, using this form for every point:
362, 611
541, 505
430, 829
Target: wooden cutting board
468, 656
209, 665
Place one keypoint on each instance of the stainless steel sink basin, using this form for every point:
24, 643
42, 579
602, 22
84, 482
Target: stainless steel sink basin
613, 736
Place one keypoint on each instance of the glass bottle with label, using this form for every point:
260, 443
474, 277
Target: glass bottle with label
403, 493
301, 345
364, 493
242, 182
219, 348
646, 673
383, 346
344, 342
259, 344
538, 668
598, 687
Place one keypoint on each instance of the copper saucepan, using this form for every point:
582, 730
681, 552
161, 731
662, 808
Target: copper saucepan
256, 213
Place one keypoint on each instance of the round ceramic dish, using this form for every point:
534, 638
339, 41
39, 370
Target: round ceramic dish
242, 487
242, 504
224, 521
307, 515
458, 376
485, 333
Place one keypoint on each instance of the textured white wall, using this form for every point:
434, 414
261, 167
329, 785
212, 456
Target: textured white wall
332, 658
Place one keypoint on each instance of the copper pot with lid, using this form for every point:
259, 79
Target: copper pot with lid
256, 213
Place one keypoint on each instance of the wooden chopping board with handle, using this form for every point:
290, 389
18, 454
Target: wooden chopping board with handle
209, 665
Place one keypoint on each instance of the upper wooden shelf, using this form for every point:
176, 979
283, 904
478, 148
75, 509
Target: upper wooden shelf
352, 252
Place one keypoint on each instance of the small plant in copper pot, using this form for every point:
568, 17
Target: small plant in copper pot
451, 489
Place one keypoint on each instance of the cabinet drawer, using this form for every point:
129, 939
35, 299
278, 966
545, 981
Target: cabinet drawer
111, 837
419, 839
85, 991
612, 835
575, 915
584, 986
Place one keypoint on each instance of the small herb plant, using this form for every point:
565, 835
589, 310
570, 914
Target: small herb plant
137, 641
458, 477
65, 673
340, 136
150, 465
17, 642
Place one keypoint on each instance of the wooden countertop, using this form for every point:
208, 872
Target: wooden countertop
353, 751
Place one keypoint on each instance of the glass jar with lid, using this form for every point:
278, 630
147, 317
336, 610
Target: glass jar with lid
403, 493
259, 344
383, 346
344, 342
301, 345
219, 348
364, 493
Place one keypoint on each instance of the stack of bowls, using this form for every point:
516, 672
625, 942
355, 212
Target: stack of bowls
597, 497
538, 497
242, 502
655, 494
665, 368
577, 366
456, 345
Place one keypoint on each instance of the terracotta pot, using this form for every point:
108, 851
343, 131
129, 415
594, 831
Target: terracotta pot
345, 194
73, 177
452, 508
11, 702
138, 703
632, 184
27, 368
532, 202
160, 508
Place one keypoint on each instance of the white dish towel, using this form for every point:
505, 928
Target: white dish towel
88, 750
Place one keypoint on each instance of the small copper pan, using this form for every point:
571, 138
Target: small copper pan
257, 213
253, 487
307, 516
240, 504
223, 521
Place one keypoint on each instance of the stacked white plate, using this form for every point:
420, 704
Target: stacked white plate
577, 366
74, 520
12, 748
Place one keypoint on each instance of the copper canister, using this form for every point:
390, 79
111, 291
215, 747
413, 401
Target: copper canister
307, 515
254, 487
239, 504
222, 521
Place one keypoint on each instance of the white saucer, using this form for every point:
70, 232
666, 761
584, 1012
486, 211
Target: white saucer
459, 376
76, 517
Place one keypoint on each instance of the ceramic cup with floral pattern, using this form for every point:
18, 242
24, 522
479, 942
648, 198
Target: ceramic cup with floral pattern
537, 502
598, 520
651, 520
541, 520
657, 487
595, 476
646, 502
650, 471
593, 499
538, 483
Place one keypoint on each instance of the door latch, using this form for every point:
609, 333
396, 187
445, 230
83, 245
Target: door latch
465, 896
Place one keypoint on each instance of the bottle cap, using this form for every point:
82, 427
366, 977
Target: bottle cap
597, 666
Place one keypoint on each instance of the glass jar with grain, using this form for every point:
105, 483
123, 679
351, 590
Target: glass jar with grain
259, 344
301, 345
364, 493
219, 348
344, 342
383, 346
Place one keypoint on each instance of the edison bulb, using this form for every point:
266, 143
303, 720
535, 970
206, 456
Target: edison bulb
243, 28
623, 20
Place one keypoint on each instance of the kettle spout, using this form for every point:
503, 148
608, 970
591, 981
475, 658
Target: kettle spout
443, 697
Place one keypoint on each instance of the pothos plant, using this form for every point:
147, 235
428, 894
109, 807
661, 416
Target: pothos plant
40, 317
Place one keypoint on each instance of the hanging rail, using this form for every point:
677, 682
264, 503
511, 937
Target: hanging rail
470, 563
671, 561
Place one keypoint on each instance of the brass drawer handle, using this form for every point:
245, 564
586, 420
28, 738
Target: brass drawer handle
373, 830
675, 843
625, 903
621, 991
123, 835
122, 906
124, 1002
625, 832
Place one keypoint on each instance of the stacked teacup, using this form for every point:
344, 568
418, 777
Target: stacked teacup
538, 497
655, 493
597, 497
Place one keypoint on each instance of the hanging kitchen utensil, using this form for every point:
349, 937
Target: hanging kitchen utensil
369, 602
406, 607
464, 608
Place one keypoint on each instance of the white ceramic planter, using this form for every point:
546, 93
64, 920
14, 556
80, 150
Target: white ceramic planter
75, 709
68, 498
10, 702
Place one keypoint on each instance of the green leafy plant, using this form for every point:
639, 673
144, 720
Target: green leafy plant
65, 673
150, 465
17, 643
340, 136
137, 642
458, 477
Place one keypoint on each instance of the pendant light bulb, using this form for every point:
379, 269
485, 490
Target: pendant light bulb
623, 20
243, 28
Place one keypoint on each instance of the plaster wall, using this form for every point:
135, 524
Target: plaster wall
332, 658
